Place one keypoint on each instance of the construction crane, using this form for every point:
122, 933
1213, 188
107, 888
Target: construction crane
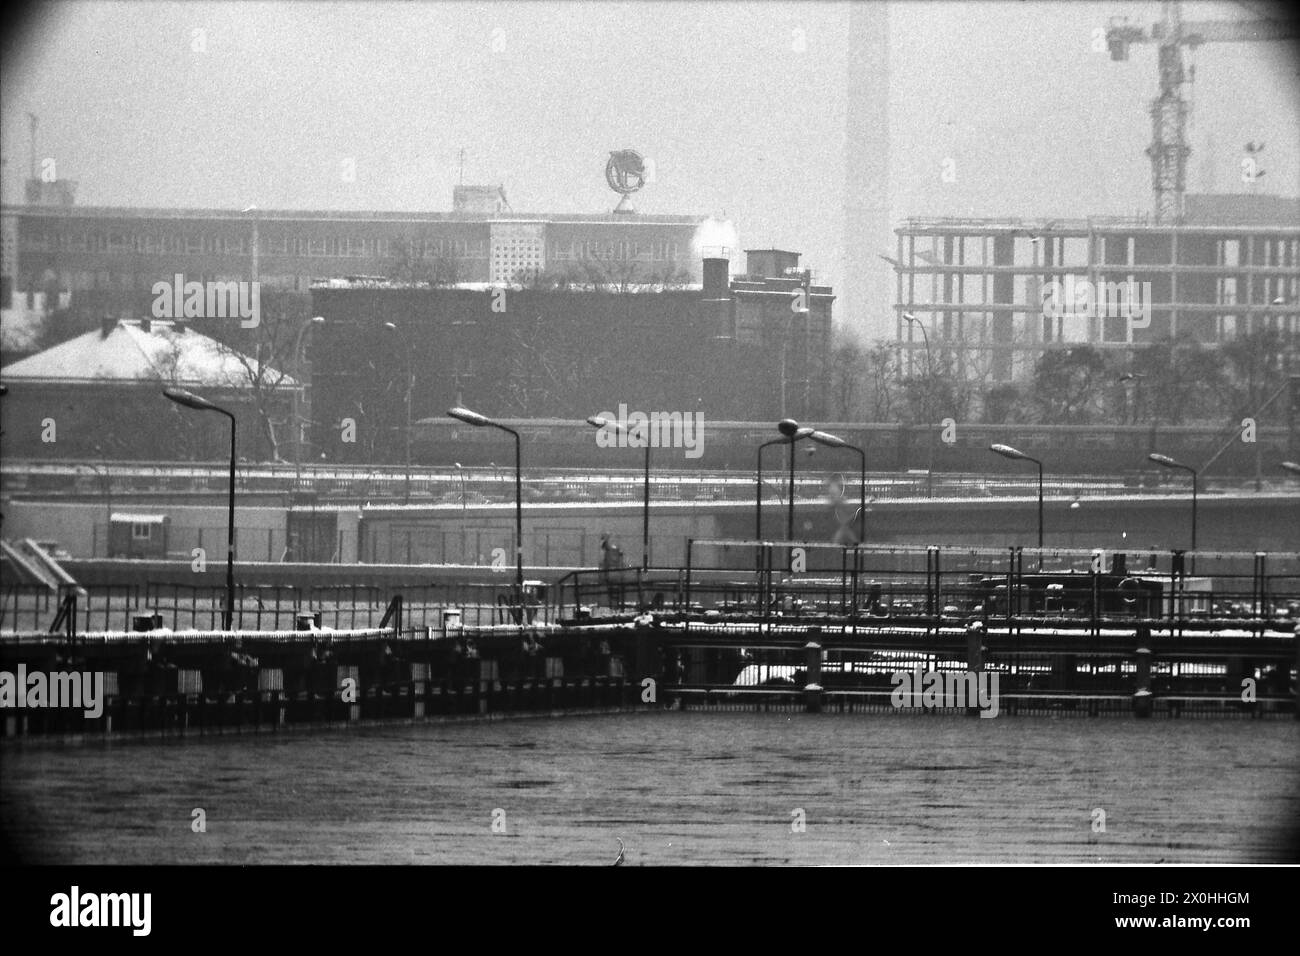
1169, 149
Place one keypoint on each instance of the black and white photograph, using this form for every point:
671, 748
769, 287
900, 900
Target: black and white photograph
538, 433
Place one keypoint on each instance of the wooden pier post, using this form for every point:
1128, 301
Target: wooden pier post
352, 707
419, 685
270, 689
488, 676
812, 689
974, 659
1142, 698
1297, 667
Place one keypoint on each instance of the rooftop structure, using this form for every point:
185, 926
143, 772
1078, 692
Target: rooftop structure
138, 351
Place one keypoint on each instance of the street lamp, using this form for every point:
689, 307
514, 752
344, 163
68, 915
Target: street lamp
834, 441
1168, 462
297, 392
1290, 466
460, 471
758, 483
598, 421
1006, 451
410, 384
107, 481
182, 397
254, 247
929, 402
482, 421
792, 431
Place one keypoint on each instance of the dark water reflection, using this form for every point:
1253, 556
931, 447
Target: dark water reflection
676, 787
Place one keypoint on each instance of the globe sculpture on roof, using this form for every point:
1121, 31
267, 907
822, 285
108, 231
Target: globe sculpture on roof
626, 173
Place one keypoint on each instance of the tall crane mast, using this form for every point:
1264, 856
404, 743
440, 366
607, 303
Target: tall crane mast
1169, 149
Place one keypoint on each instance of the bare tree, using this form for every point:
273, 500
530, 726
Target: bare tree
846, 388
882, 376
1066, 385
264, 357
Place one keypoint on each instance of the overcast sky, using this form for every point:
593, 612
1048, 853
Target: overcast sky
741, 105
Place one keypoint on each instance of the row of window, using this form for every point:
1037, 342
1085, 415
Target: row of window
283, 244
270, 244
661, 251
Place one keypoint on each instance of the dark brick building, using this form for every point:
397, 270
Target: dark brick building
741, 348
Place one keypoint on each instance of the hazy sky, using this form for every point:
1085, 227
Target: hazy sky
741, 105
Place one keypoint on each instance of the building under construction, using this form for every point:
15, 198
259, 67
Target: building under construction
989, 291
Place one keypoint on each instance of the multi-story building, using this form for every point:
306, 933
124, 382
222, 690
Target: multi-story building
109, 258
1002, 291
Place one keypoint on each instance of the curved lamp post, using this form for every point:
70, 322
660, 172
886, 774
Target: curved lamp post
1006, 451
758, 487
460, 471
929, 402
482, 421
599, 422
1168, 462
297, 371
410, 384
834, 441
792, 431
106, 482
182, 397
758, 482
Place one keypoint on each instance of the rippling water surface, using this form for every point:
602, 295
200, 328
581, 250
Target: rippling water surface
677, 788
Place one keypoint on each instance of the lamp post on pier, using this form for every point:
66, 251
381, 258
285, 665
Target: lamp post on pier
1167, 462
182, 397
598, 421
410, 384
1006, 451
297, 392
482, 421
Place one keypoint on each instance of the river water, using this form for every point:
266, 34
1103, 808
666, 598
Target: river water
676, 788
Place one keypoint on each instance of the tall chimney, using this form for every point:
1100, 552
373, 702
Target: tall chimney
866, 290
717, 273
717, 298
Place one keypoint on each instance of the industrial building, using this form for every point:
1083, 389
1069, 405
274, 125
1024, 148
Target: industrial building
751, 347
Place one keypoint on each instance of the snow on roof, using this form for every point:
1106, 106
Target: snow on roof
129, 353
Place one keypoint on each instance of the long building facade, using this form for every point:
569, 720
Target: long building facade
109, 258
754, 347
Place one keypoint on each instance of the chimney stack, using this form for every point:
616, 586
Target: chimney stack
717, 298
106, 326
717, 274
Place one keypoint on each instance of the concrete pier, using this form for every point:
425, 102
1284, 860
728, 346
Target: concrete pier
210, 682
